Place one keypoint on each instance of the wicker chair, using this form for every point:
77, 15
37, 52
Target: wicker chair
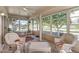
75, 48
69, 41
10, 41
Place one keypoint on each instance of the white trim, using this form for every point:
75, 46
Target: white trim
50, 25
68, 21
32, 25
40, 27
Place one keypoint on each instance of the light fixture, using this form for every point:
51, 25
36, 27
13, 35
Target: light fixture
25, 9
2, 14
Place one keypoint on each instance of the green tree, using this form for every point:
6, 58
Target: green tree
46, 21
58, 20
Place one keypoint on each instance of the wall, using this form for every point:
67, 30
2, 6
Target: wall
6, 25
0, 29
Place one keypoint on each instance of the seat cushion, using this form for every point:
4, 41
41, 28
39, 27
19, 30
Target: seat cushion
13, 47
68, 38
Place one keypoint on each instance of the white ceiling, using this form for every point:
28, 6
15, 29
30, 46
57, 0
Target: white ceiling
32, 10
20, 10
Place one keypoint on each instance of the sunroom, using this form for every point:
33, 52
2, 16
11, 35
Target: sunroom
39, 29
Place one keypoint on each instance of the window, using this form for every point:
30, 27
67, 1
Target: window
16, 25
23, 25
38, 24
59, 23
35, 25
46, 23
74, 23
19, 26
30, 25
